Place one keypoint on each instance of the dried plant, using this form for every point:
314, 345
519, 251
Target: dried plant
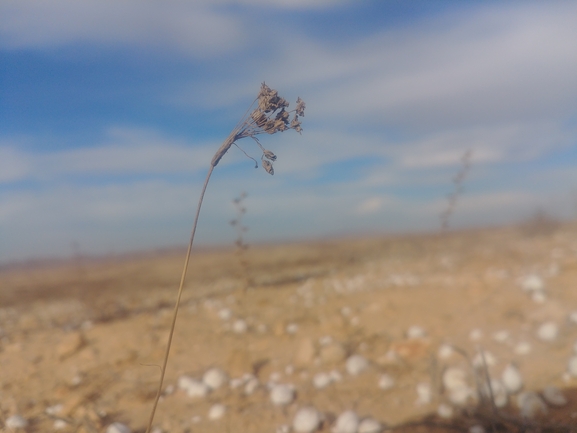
458, 180
239, 243
268, 117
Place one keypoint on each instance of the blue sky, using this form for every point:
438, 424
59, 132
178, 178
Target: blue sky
111, 111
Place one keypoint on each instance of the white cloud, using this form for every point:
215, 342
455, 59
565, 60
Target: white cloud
194, 27
125, 151
14, 165
370, 206
200, 28
491, 65
290, 4
496, 79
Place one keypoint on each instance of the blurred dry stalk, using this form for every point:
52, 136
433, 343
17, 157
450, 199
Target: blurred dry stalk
239, 243
484, 412
269, 116
458, 189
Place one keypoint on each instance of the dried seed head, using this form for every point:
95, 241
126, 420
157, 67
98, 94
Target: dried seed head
259, 117
300, 110
270, 116
269, 155
268, 100
282, 115
296, 124
267, 165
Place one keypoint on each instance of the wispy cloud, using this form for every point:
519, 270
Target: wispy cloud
125, 151
197, 28
390, 112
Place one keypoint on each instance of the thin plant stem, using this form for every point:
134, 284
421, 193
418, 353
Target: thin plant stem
268, 117
177, 304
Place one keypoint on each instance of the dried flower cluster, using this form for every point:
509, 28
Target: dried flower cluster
270, 116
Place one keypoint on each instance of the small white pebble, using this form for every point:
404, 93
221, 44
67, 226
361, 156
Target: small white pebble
306, 420
512, 379
445, 411
522, 348
225, 314
573, 317
572, 366
475, 334
289, 369
76, 380
346, 311
538, 297
445, 351
292, 328
117, 427
347, 422
477, 428
356, 364
424, 393
370, 425
454, 377
214, 378
283, 429
326, 340
548, 331
237, 382
54, 410
251, 385
196, 419
554, 396
192, 387
239, 326
274, 377
16, 422
461, 395
532, 283
282, 394
531, 405
321, 380
386, 382
335, 376
59, 424
501, 336
416, 332
216, 411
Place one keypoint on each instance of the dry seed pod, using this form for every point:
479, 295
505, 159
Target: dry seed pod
300, 109
269, 155
259, 117
282, 115
296, 125
267, 166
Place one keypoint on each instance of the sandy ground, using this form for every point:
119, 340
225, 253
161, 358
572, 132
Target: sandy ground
81, 342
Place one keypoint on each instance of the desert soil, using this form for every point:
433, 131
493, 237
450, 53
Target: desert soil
81, 341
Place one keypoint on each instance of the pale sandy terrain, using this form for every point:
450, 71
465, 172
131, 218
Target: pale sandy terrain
89, 335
